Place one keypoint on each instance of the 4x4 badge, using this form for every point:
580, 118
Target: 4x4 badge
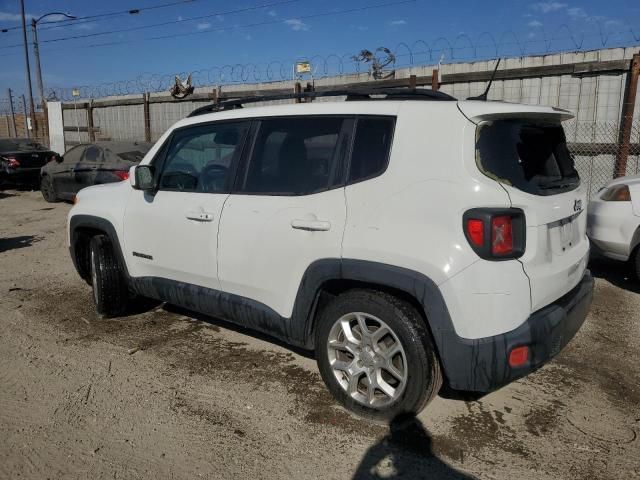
577, 205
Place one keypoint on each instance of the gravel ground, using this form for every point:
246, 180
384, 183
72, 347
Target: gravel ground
168, 394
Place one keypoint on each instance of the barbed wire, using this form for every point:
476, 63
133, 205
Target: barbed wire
462, 48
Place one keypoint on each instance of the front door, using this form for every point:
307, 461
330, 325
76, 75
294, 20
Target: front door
62, 173
288, 211
173, 234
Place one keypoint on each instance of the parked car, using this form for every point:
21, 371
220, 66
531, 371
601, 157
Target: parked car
89, 164
21, 160
409, 239
614, 221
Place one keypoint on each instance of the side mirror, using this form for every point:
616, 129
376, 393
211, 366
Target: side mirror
142, 178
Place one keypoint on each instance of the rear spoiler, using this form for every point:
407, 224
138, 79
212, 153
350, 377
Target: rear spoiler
479, 111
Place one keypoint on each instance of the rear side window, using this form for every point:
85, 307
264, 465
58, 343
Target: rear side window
371, 148
530, 156
293, 156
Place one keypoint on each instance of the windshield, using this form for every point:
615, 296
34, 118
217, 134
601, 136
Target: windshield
19, 144
528, 155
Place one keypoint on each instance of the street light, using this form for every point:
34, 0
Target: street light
36, 51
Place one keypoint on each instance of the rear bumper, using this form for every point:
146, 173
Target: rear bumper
481, 365
19, 175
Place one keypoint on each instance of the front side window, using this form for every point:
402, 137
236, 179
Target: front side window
199, 158
529, 155
293, 156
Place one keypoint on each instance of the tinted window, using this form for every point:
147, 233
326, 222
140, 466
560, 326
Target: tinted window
293, 156
371, 148
92, 154
74, 155
199, 158
530, 156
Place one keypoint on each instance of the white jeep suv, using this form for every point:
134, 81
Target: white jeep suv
410, 239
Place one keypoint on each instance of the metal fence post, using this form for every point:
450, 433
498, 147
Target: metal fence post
626, 117
13, 114
90, 129
26, 117
147, 117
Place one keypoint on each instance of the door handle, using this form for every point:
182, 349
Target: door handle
199, 216
311, 225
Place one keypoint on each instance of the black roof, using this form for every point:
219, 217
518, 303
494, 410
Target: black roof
352, 94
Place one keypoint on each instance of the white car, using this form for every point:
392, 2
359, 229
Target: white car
614, 221
408, 238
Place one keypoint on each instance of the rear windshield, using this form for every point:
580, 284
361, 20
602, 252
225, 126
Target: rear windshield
19, 144
528, 155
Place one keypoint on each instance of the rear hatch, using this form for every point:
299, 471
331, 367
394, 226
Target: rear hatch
526, 153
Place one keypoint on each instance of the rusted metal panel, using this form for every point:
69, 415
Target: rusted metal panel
626, 117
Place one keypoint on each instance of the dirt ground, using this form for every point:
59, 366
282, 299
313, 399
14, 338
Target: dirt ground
166, 394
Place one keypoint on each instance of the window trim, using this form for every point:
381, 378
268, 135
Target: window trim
159, 160
347, 172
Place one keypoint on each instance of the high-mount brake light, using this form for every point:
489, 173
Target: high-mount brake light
495, 233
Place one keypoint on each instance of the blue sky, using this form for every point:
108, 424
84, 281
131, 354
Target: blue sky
283, 30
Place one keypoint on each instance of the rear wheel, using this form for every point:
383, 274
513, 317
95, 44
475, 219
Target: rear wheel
376, 355
48, 190
107, 280
635, 263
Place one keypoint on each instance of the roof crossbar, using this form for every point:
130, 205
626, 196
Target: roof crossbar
352, 94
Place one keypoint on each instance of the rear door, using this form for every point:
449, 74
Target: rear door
288, 209
84, 173
529, 157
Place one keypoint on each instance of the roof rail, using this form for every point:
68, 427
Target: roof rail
352, 94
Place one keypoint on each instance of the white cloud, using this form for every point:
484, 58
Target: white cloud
397, 23
297, 25
577, 12
546, 7
534, 24
203, 26
272, 13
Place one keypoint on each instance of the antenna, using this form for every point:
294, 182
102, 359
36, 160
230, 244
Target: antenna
483, 97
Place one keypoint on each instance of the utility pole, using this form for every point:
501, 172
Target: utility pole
13, 115
28, 72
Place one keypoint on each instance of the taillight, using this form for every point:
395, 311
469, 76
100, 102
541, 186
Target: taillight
13, 163
502, 235
519, 356
122, 174
495, 233
475, 229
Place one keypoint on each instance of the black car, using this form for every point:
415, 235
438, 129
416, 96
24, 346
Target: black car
90, 164
21, 160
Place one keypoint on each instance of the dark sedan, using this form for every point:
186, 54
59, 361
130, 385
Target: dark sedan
90, 164
21, 160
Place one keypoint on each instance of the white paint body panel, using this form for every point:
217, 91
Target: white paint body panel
614, 227
409, 217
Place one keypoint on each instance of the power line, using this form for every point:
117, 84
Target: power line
130, 11
161, 24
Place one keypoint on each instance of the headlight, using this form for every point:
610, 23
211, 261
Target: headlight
617, 193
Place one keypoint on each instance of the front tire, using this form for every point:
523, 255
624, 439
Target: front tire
107, 279
48, 190
376, 355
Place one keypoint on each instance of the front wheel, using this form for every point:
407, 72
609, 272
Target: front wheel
107, 279
48, 190
376, 355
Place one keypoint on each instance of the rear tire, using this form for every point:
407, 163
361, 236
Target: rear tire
107, 279
403, 382
48, 190
635, 263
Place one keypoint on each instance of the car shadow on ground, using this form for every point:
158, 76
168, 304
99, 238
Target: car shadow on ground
405, 452
619, 274
13, 243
